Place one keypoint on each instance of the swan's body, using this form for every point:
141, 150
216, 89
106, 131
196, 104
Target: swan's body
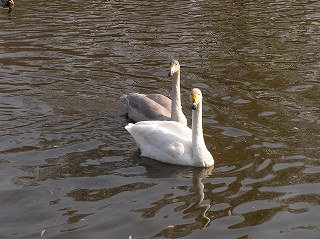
7, 3
172, 142
143, 107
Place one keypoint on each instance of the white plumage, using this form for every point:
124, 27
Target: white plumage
172, 142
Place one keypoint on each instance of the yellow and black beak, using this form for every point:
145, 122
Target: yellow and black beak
196, 98
195, 101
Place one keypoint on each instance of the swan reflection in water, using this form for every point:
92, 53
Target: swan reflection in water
187, 179
198, 188
193, 206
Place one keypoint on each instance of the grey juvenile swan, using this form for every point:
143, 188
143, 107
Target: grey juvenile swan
147, 107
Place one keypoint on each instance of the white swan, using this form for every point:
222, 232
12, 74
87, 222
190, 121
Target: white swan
172, 142
143, 107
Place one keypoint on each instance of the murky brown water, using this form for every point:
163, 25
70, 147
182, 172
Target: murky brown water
68, 168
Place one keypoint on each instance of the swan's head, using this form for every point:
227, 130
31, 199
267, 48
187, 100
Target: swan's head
196, 98
174, 67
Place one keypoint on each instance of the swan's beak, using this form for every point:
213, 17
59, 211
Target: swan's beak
195, 102
171, 71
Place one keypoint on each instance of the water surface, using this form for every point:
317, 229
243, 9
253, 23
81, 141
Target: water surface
68, 168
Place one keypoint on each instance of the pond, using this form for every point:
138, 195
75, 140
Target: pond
68, 167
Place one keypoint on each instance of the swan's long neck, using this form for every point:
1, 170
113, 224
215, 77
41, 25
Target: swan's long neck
197, 132
176, 97
198, 143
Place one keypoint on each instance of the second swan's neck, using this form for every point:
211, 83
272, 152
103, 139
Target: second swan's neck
176, 97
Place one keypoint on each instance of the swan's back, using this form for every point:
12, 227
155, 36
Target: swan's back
143, 107
165, 141
161, 100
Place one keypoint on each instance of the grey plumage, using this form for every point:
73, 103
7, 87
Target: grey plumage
145, 107
142, 107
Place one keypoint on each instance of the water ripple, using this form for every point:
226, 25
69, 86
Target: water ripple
71, 170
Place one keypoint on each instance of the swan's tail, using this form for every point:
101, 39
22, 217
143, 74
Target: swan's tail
128, 127
124, 100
